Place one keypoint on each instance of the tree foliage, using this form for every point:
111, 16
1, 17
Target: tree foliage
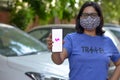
48, 10
111, 10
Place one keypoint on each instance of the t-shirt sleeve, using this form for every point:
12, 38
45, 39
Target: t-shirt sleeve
115, 53
68, 44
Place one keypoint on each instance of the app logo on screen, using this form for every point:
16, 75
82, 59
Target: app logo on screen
57, 39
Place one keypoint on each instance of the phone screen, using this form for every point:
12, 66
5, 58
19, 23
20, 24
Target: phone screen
57, 38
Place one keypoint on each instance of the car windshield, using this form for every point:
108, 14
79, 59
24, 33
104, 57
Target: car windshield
14, 42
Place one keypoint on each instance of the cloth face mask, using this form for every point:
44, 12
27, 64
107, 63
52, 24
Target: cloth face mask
90, 23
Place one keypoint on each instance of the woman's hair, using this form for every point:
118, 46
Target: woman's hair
80, 29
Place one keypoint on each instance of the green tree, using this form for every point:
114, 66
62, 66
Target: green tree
48, 10
111, 10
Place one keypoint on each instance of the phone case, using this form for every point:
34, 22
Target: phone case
57, 38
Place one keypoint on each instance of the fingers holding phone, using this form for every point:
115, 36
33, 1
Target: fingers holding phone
55, 40
49, 42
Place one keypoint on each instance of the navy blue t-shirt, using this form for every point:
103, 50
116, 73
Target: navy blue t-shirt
89, 56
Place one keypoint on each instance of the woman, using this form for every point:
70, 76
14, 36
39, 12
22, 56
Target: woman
89, 52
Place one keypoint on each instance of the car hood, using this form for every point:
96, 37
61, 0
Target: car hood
40, 63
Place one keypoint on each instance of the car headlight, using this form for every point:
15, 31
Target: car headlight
43, 76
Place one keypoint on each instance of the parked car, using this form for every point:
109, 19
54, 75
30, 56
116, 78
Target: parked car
23, 57
42, 32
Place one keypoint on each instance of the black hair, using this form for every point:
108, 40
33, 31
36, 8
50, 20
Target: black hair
96, 6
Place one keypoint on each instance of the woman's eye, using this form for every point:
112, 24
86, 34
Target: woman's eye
89, 14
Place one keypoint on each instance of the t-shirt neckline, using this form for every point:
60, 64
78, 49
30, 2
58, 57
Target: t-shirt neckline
90, 35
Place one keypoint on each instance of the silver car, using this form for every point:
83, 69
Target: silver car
42, 32
23, 57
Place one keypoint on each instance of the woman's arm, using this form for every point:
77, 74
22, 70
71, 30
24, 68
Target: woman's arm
58, 58
116, 74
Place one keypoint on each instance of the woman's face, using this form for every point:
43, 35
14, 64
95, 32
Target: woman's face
89, 19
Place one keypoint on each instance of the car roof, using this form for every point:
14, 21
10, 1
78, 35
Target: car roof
106, 26
111, 25
6, 25
53, 26
57, 25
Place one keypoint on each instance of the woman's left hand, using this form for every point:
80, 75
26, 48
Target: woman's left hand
116, 74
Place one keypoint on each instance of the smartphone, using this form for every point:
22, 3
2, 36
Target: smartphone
57, 38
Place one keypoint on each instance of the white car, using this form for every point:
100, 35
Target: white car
23, 57
42, 32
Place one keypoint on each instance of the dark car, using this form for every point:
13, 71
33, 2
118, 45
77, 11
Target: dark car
42, 32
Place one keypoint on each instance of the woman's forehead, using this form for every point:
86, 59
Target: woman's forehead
89, 9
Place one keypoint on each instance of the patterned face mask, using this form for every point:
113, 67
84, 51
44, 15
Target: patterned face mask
90, 23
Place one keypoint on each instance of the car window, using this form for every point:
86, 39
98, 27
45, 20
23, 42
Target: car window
68, 30
116, 38
39, 33
116, 33
42, 33
16, 43
113, 35
110, 35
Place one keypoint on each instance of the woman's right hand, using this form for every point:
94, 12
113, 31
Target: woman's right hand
49, 42
57, 58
